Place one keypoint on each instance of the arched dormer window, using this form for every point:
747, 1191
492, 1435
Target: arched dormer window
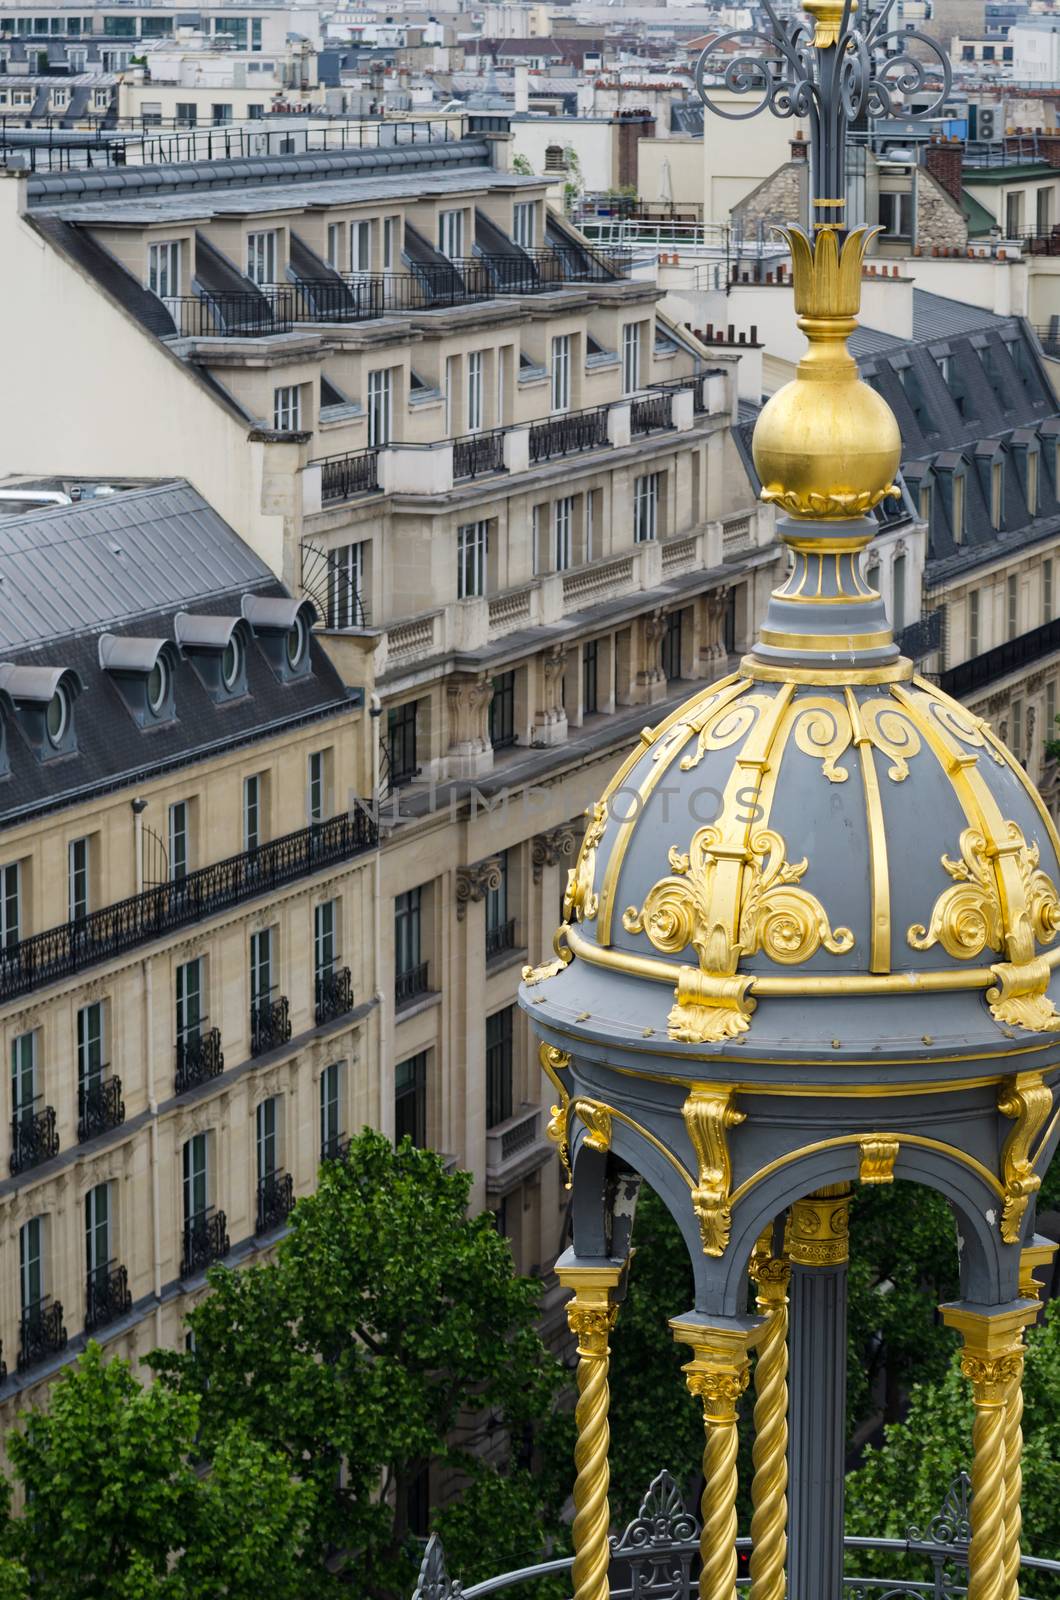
217, 648
43, 700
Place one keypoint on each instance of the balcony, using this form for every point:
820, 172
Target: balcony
336, 1149
1001, 662
40, 1333
60, 952
270, 1024
921, 638
100, 1107
334, 995
275, 1201
205, 1241
478, 455
107, 1296
568, 435
199, 1058
500, 939
514, 1146
652, 414
410, 984
33, 1139
343, 477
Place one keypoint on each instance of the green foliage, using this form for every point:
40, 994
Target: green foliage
521, 165
390, 1322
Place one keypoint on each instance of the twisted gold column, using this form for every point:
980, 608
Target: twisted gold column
1013, 1485
718, 1374
769, 1487
591, 1316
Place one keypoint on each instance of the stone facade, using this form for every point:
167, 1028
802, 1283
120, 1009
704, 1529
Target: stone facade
940, 222
780, 198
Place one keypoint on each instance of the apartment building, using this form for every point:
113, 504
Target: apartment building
509, 484
187, 969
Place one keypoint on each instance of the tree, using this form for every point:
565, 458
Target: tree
390, 1331
116, 1510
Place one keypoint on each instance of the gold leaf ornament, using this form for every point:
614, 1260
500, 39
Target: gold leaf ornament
822, 729
581, 899
783, 920
893, 734
966, 918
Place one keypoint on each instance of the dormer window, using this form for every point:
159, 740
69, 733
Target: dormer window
282, 627
57, 717
43, 700
157, 687
142, 672
232, 663
216, 648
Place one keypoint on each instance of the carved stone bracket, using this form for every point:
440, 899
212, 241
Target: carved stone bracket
709, 1113
1028, 1102
547, 848
476, 881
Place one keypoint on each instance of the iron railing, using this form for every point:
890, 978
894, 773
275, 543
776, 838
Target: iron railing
275, 1200
500, 939
336, 1148
920, 638
651, 414
475, 455
40, 1332
60, 952
100, 1107
205, 1241
658, 1555
107, 1296
697, 382
33, 1138
333, 588
270, 1024
410, 983
199, 1058
341, 477
334, 994
569, 434
979, 671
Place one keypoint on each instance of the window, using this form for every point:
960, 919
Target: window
590, 521
317, 786
330, 1110
187, 114
630, 357
346, 586
499, 927
163, 268
324, 950
23, 1074
336, 239
31, 1268
401, 742
451, 234
266, 1138
499, 1067
89, 1050
475, 365
189, 1002
410, 1100
973, 623
178, 841
1016, 741
671, 645
958, 507
562, 529
472, 544
535, 539
561, 372
97, 1235
260, 967
151, 113
77, 879
1047, 590
380, 403
390, 243
590, 676
261, 256
898, 593
895, 214
926, 503
646, 507
220, 113
523, 220
287, 408
1043, 210
360, 247
997, 494
502, 711
252, 812
196, 1180
1050, 709
10, 904
1012, 596
1013, 213
1032, 482
408, 953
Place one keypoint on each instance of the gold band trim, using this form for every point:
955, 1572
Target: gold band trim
900, 671
905, 1139
830, 642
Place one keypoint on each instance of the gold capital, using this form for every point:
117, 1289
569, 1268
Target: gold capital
819, 1228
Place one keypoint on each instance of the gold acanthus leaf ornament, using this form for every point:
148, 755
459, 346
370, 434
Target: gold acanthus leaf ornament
838, 503
708, 1115
1028, 1102
581, 900
970, 917
776, 915
553, 1062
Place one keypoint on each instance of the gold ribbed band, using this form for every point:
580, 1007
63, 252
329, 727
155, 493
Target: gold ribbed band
591, 1316
717, 1374
769, 1487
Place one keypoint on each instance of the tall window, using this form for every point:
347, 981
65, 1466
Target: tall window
77, 875
1047, 590
499, 1067
380, 405
451, 234
330, 1109
360, 248
252, 812
646, 507
671, 645
408, 951
1050, 708
562, 531
89, 1049
260, 967
502, 711
630, 357
1016, 741
390, 243
926, 503
1032, 482
997, 494
163, 269
497, 899
267, 1138
316, 786
401, 742
346, 586
10, 904
23, 1074
189, 1001
898, 591
31, 1266
196, 1179
287, 408
958, 508
1012, 597
178, 840
410, 1100
336, 241
97, 1230
523, 220
261, 256
561, 372
472, 544
475, 374
324, 949
590, 522
590, 676
973, 623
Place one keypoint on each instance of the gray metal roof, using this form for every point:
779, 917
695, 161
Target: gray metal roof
936, 317
140, 552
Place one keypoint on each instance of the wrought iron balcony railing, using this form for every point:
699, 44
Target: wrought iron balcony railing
411, 983
477, 455
920, 638
658, 1555
40, 1333
199, 1058
33, 1138
100, 1107
107, 1296
500, 939
651, 414
335, 1149
342, 477
1012, 656
275, 1200
568, 435
334, 994
205, 1241
59, 952
270, 1024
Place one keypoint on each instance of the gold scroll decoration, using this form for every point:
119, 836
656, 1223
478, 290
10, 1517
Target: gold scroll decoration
581, 899
597, 1120
1026, 1100
549, 969
709, 1113
553, 1062
877, 1154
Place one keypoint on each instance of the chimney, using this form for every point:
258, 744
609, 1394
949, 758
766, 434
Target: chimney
522, 90
944, 159
799, 148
